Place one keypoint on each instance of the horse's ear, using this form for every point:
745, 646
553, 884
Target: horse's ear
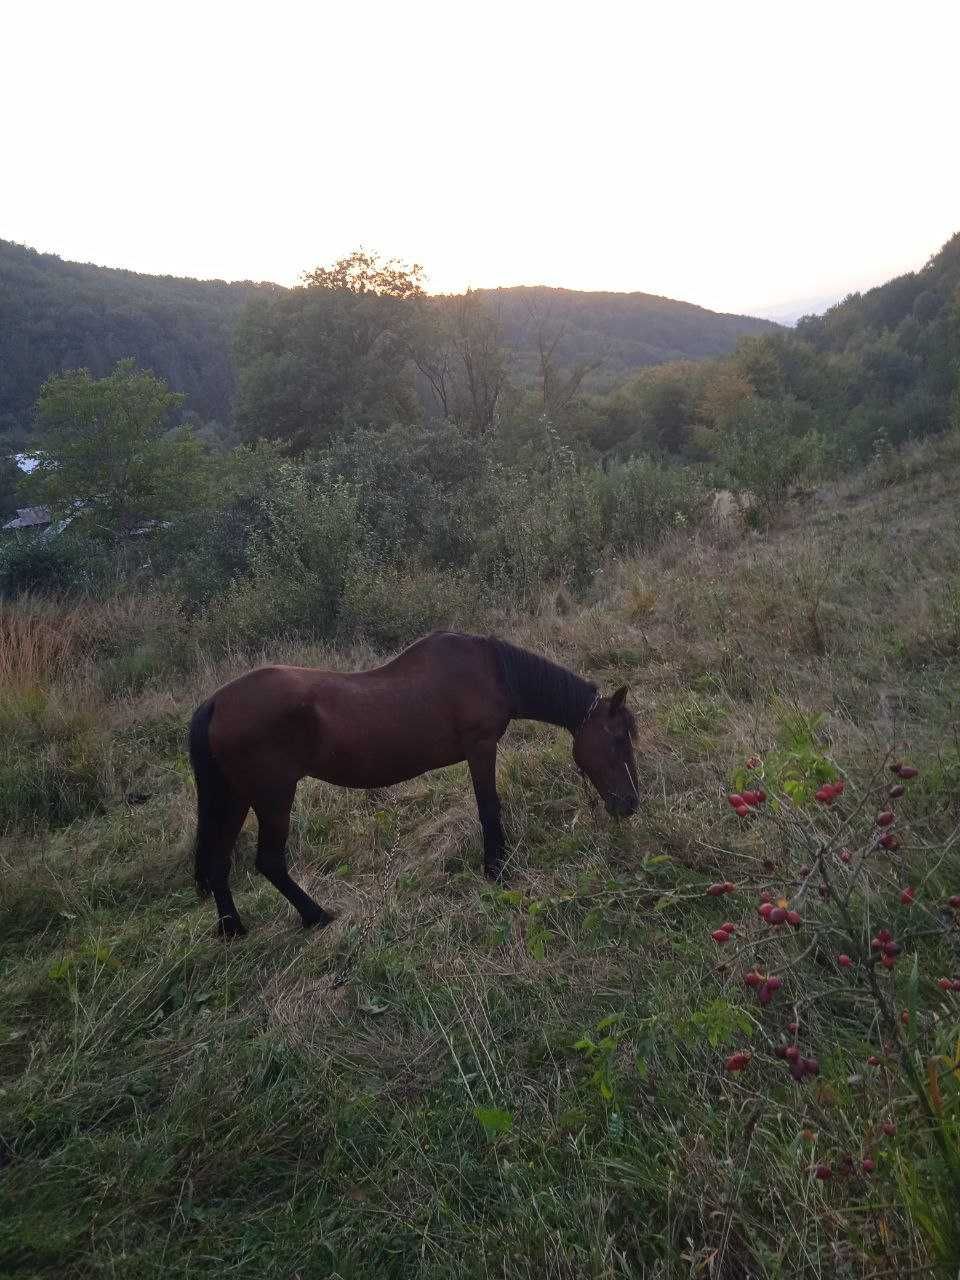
617, 699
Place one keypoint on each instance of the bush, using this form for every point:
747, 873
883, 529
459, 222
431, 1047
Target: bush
390, 606
35, 565
646, 501
300, 563
767, 451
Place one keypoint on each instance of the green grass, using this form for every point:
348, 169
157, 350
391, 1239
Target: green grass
458, 1080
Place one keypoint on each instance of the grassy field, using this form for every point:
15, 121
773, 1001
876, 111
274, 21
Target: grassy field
458, 1080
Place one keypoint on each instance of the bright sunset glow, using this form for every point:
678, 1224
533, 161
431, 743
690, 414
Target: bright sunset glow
739, 155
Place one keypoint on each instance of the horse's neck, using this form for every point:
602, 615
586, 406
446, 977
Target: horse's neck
542, 690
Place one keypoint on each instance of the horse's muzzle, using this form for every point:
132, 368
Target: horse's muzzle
619, 807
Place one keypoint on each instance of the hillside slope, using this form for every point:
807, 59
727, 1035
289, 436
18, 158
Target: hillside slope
457, 1081
56, 315
622, 332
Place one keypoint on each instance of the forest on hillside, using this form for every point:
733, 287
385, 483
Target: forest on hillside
57, 315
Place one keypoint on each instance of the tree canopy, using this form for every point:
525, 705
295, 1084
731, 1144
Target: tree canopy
106, 454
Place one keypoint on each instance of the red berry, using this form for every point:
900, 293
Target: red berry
885, 818
765, 908
844, 855
907, 771
907, 895
896, 792
811, 1066
742, 810
844, 960
776, 915
823, 1172
887, 961
873, 1061
954, 902
734, 800
761, 796
905, 1017
720, 936
754, 979
868, 1165
715, 890
753, 762
824, 795
888, 841
839, 787
737, 1061
792, 1052
892, 948
774, 983
727, 927
728, 886
767, 896
793, 1027
889, 1128
945, 984
749, 797
884, 935
793, 917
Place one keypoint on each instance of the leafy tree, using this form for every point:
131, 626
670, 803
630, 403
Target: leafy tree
329, 354
106, 455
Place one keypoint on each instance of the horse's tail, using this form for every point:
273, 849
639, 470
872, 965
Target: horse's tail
213, 798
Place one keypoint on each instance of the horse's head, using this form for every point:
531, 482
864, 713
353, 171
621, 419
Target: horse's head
603, 750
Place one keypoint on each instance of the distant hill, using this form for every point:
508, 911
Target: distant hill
60, 315
57, 315
622, 331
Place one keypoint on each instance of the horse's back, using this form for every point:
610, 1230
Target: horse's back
420, 711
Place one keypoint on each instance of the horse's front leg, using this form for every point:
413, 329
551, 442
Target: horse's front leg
483, 770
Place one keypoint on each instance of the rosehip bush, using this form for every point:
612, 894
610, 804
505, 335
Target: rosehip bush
859, 901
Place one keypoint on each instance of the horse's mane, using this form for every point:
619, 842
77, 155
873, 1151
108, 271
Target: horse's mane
542, 690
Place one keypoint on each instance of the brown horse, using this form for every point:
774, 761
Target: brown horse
447, 698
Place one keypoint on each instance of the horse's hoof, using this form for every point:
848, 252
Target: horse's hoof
318, 919
231, 927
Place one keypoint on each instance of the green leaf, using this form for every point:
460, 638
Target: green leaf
494, 1121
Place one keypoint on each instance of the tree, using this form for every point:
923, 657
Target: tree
458, 347
105, 453
558, 388
330, 354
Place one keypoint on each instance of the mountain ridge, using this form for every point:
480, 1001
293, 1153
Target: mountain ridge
57, 314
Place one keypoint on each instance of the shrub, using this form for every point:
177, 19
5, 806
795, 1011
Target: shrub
766, 452
645, 501
300, 563
31, 564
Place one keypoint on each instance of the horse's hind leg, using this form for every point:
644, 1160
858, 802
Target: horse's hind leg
273, 815
229, 924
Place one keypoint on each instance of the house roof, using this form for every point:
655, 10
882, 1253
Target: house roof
29, 518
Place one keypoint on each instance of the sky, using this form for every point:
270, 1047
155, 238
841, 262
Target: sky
750, 157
